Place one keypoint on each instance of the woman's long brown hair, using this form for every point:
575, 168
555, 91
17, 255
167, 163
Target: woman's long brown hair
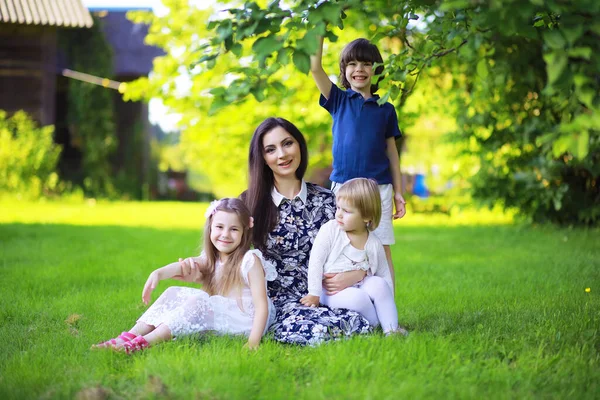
231, 277
261, 179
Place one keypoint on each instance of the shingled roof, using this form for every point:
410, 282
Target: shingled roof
68, 13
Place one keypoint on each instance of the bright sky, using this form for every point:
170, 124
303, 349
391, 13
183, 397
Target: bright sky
156, 5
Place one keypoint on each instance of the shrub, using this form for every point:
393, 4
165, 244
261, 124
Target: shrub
28, 156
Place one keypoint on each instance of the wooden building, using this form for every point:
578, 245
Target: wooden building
36, 72
28, 52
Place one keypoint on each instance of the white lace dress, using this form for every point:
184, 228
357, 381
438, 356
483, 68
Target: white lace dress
188, 311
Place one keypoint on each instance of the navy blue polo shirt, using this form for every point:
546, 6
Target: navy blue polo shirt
360, 130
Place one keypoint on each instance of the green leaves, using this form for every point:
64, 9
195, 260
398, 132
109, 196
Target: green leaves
394, 92
267, 45
482, 68
283, 56
450, 5
301, 61
554, 39
555, 64
208, 57
583, 142
575, 135
237, 49
383, 99
586, 96
218, 91
572, 33
225, 29
574, 143
328, 12
309, 43
580, 52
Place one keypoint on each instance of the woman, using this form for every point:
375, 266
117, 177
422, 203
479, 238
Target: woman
288, 213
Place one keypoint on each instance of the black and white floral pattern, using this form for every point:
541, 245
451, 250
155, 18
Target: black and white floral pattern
289, 246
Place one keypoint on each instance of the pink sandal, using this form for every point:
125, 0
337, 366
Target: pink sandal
126, 337
135, 345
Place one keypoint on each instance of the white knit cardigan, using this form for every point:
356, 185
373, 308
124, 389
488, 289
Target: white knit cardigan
329, 245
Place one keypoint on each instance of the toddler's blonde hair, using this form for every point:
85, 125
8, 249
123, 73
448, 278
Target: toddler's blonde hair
363, 193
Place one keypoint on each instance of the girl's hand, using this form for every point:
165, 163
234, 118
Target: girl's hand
335, 283
150, 285
400, 205
190, 270
310, 301
188, 266
251, 345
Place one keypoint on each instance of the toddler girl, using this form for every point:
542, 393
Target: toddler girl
345, 244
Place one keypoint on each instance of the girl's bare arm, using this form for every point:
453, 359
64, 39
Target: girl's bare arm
258, 288
174, 270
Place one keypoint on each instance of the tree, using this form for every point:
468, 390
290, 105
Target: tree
525, 79
215, 138
530, 108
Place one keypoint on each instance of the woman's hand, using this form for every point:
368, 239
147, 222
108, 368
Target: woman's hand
149, 287
310, 301
335, 283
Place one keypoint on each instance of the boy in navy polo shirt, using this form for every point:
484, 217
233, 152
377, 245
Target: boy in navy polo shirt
364, 133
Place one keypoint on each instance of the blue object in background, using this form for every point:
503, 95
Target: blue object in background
419, 188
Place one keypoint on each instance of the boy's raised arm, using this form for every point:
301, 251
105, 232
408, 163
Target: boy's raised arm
317, 71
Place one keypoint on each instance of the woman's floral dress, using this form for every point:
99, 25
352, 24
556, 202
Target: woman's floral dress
289, 246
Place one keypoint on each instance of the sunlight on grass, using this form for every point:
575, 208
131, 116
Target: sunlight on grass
191, 215
470, 216
99, 213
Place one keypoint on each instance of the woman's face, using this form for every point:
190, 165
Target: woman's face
281, 152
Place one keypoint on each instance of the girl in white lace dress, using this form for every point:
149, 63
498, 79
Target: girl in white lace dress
234, 296
347, 244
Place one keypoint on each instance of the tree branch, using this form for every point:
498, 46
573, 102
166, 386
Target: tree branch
443, 53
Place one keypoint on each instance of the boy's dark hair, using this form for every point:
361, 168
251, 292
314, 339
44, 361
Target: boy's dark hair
360, 50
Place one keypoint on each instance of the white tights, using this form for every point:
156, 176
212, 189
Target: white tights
372, 298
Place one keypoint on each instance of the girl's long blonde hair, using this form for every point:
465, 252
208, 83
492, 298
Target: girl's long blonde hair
231, 278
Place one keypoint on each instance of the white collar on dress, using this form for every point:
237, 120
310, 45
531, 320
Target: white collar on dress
278, 197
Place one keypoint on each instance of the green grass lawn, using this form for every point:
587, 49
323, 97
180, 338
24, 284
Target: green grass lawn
495, 310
